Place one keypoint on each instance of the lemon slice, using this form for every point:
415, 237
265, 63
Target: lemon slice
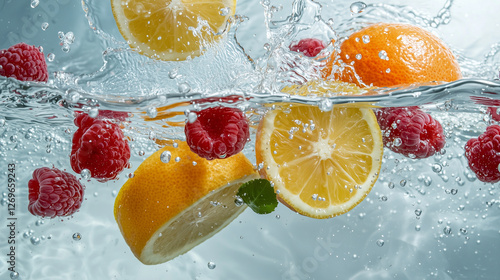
322, 164
164, 29
170, 206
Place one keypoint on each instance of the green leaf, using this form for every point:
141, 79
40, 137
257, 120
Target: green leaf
259, 195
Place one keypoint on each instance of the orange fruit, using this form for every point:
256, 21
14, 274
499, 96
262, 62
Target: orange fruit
168, 208
322, 163
389, 54
164, 29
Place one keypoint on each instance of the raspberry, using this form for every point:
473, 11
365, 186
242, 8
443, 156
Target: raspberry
54, 193
493, 111
483, 154
23, 62
100, 147
309, 47
217, 132
410, 131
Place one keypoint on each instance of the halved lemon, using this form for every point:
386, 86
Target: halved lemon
322, 163
176, 200
165, 29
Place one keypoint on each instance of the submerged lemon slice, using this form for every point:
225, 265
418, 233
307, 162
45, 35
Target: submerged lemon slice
166, 209
163, 29
322, 163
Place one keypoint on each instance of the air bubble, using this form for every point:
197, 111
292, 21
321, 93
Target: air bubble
77, 236
211, 265
418, 212
85, 173
173, 74
359, 56
35, 240
357, 7
34, 3
402, 183
151, 112
366, 39
391, 185
51, 57
14, 275
383, 55
192, 117
224, 11
380, 242
94, 112
437, 167
447, 230
238, 201
325, 105
45, 25
184, 88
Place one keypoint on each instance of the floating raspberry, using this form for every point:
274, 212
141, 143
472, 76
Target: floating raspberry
309, 47
23, 62
493, 111
217, 132
100, 147
54, 193
410, 131
483, 154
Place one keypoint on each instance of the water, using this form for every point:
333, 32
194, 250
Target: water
424, 219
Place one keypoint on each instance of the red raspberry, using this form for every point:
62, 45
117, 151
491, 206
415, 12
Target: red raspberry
54, 193
23, 62
410, 131
100, 147
483, 154
493, 111
309, 47
217, 132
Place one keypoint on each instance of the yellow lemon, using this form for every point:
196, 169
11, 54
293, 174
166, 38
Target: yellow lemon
176, 200
322, 163
165, 29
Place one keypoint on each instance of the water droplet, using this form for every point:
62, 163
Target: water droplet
359, 56
165, 156
85, 173
366, 39
177, 159
447, 230
34, 3
388, 70
94, 112
51, 57
380, 242
35, 240
357, 7
173, 74
45, 25
184, 88
325, 105
192, 117
151, 112
14, 275
418, 212
224, 11
383, 55
211, 265
238, 201
77, 236
437, 167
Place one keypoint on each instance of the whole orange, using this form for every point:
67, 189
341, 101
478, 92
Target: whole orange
389, 54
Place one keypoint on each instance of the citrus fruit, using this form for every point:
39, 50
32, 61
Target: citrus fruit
176, 200
322, 163
325, 88
164, 29
389, 54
